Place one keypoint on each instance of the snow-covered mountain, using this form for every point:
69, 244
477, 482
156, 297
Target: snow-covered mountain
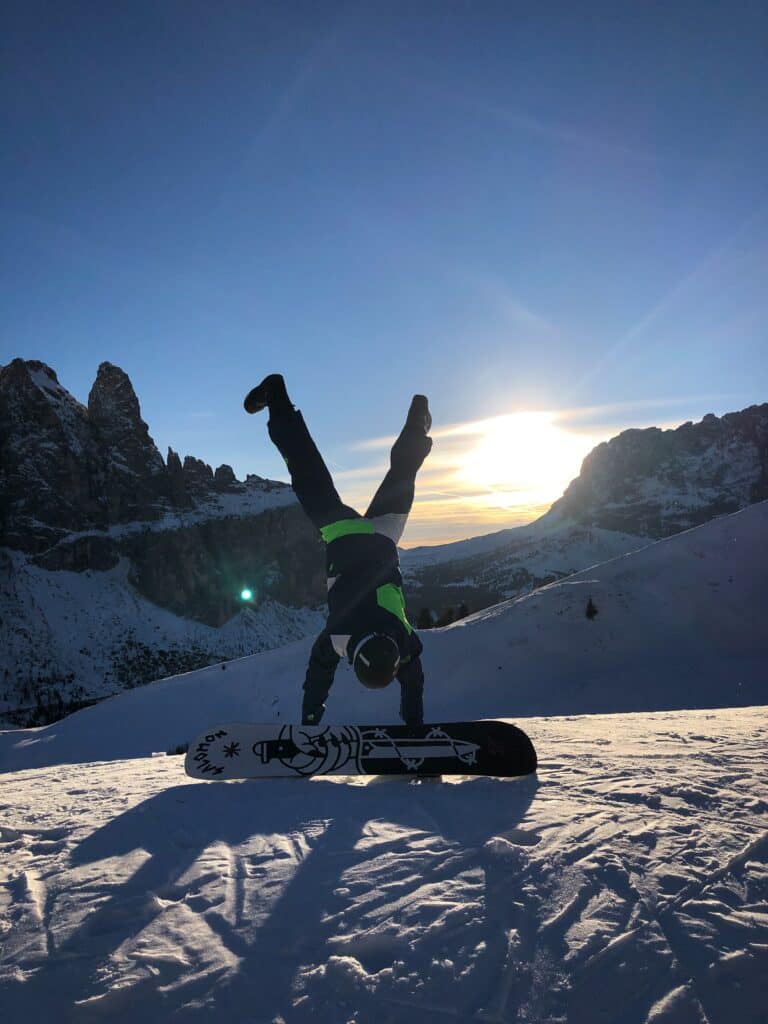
639, 486
118, 567
627, 883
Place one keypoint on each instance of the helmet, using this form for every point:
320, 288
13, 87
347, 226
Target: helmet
376, 659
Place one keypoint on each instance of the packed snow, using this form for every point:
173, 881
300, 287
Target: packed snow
626, 882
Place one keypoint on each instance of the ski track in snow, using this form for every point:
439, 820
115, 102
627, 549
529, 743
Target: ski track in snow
627, 883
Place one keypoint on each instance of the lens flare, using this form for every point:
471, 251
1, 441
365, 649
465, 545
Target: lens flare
246, 594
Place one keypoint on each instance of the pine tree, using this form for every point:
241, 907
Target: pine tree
424, 620
446, 617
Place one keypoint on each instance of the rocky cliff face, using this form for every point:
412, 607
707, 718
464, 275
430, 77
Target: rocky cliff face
117, 567
81, 488
65, 468
654, 483
640, 486
131, 479
48, 462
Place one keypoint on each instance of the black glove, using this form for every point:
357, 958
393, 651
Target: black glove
312, 715
411, 679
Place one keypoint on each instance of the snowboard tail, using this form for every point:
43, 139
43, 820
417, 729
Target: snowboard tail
246, 750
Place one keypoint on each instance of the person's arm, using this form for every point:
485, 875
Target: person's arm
319, 679
411, 678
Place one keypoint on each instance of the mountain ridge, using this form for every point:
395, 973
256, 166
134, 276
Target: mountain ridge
107, 549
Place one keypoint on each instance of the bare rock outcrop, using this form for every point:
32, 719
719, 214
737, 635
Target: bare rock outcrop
653, 483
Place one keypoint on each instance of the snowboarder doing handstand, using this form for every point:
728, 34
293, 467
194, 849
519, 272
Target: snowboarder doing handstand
366, 622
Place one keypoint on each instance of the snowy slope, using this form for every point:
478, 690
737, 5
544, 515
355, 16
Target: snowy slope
509, 563
552, 544
628, 884
98, 627
679, 624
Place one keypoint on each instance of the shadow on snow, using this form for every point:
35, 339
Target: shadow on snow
176, 826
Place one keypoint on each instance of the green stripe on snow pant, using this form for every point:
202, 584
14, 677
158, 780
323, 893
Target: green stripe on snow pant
390, 597
344, 527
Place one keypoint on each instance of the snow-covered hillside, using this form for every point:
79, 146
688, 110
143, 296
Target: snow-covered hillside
627, 883
485, 570
679, 624
56, 624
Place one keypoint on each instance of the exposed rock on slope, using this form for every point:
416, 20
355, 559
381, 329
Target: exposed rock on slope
82, 487
65, 468
84, 493
640, 486
48, 461
654, 483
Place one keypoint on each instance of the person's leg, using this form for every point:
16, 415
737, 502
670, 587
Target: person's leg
310, 479
395, 495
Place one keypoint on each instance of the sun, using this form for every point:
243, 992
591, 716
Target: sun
524, 458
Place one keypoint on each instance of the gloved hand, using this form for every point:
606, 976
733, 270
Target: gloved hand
312, 715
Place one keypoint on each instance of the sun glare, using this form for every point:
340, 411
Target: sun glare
524, 458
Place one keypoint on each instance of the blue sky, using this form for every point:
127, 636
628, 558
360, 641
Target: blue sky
512, 208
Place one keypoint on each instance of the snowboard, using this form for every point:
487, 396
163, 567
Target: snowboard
243, 750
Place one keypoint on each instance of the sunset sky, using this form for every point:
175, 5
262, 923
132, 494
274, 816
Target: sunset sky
551, 219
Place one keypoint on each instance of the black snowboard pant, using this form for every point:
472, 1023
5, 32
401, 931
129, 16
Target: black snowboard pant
314, 487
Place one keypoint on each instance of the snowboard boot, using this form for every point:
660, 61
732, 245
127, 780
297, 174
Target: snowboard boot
270, 394
418, 415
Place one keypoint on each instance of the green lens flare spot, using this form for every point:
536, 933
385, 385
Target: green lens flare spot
246, 594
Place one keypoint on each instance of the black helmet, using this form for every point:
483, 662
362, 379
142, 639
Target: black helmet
376, 659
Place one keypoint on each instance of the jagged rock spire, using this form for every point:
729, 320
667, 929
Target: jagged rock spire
67, 468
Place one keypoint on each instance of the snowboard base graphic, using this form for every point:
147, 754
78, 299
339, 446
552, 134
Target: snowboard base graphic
244, 750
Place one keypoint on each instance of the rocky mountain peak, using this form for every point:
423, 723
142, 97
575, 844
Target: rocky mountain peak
31, 388
656, 482
224, 479
198, 476
112, 403
67, 468
44, 455
134, 476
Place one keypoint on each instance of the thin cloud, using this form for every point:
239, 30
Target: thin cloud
694, 276
516, 313
611, 408
564, 133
